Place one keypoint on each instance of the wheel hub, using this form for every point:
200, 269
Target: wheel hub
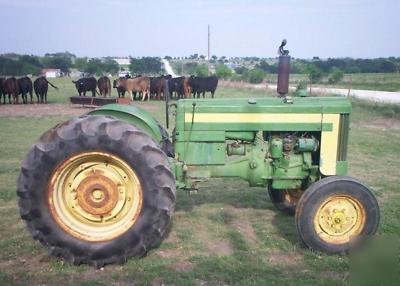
339, 218
95, 196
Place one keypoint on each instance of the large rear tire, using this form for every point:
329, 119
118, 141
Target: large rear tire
96, 190
336, 214
285, 200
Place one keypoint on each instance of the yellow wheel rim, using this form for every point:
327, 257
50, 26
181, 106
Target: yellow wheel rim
95, 196
339, 218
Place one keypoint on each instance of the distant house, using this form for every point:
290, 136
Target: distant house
51, 73
123, 61
76, 73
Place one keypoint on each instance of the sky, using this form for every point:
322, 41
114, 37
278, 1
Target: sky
97, 28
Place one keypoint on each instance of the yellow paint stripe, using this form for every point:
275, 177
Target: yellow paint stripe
329, 145
254, 117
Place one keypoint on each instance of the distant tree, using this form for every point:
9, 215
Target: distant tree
168, 58
255, 75
110, 66
202, 57
194, 56
201, 70
189, 68
314, 73
9, 67
301, 85
80, 63
145, 65
62, 63
32, 60
94, 67
222, 71
266, 67
387, 66
178, 67
61, 55
241, 70
335, 75
214, 57
29, 65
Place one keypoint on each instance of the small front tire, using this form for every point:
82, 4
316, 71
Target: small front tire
336, 214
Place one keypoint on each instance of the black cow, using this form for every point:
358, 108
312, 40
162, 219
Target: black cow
201, 85
157, 85
104, 86
2, 80
41, 86
10, 88
86, 84
175, 86
25, 88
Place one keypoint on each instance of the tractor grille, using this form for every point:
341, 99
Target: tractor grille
343, 137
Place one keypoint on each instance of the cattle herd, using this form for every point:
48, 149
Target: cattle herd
23, 86
142, 86
150, 87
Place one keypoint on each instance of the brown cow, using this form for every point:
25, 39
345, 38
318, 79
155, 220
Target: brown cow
104, 85
186, 88
138, 84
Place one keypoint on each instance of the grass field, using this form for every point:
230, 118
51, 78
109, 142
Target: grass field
226, 234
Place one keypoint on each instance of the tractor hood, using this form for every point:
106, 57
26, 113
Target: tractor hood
304, 114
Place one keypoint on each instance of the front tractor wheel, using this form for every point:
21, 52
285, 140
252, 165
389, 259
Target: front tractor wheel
96, 190
336, 214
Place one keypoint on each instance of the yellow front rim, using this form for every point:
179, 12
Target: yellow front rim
339, 218
95, 196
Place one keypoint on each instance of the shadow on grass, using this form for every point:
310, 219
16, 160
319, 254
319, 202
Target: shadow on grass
237, 193
234, 192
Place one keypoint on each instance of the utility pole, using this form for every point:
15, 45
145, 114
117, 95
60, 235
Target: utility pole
208, 50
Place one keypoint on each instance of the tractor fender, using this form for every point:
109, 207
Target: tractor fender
135, 116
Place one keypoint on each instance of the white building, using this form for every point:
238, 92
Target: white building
123, 61
51, 73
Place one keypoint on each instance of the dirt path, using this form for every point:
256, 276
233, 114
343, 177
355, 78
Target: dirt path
55, 109
41, 110
372, 95
168, 68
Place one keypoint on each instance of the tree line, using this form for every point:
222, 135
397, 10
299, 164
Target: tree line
19, 65
316, 69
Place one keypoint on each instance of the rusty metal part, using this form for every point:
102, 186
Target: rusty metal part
97, 194
293, 196
283, 75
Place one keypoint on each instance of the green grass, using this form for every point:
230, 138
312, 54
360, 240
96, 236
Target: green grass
226, 234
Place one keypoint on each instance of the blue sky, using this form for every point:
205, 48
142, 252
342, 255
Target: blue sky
325, 28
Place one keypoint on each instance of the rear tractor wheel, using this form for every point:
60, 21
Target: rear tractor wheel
96, 190
285, 200
336, 214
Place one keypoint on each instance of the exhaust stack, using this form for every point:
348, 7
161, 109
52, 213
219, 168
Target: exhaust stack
283, 70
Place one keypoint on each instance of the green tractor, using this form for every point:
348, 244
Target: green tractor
100, 188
